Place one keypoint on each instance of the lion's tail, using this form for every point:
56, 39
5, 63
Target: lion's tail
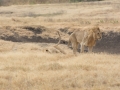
56, 46
59, 39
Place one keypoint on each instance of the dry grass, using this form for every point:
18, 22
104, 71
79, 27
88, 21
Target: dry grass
32, 2
23, 66
74, 15
36, 70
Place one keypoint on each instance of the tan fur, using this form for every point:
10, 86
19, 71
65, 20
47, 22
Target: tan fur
56, 48
85, 38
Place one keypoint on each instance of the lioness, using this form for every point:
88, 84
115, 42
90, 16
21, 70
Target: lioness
85, 38
55, 48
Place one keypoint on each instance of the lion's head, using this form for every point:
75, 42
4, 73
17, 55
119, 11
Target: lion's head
94, 34
97, 35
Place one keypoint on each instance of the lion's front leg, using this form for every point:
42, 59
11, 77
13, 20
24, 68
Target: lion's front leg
82, 48
90, 49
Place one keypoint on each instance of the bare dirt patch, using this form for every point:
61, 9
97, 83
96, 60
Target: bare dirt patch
29, 34
110, 42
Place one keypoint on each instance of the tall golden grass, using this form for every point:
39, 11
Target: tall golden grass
23, 2
11, 2
43, 71
24, 67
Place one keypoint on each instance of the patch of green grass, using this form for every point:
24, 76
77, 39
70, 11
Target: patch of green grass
84, 0
85, 22
113, 21
31, 14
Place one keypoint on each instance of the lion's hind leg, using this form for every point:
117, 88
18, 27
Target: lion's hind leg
90, 49
82, 48
75, 47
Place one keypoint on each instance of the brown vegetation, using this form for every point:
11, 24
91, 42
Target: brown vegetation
27, 31
22, 2
36, 70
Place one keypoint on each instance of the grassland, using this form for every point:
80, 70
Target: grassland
24, 65
36, 70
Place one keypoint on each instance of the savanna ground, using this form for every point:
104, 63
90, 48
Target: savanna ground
26, 31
